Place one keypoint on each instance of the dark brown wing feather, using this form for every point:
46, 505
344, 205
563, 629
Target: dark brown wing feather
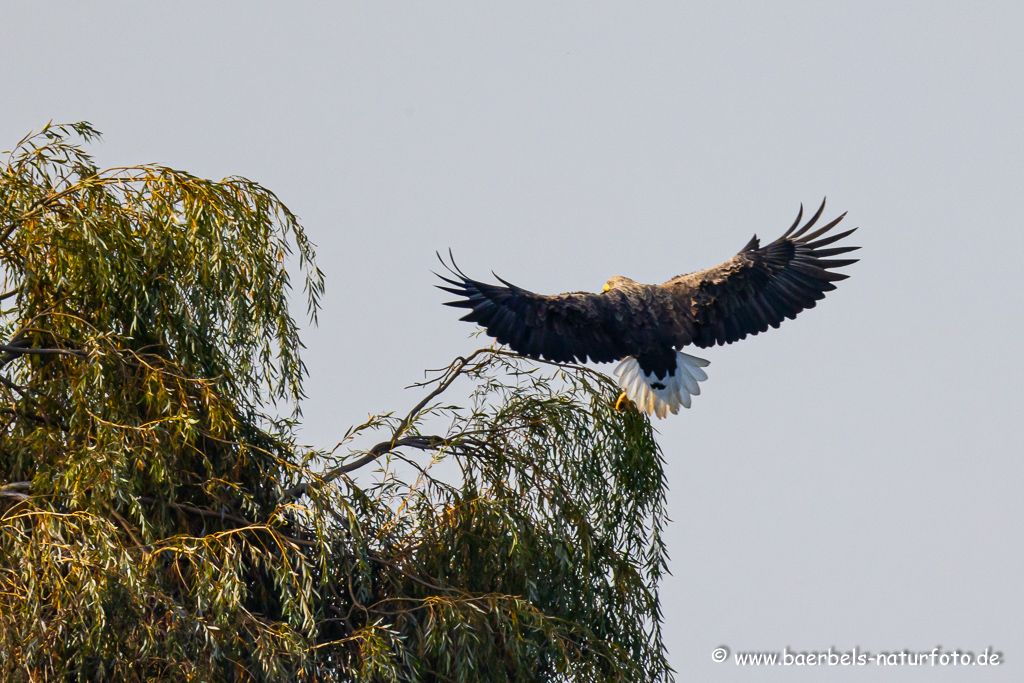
759, 287
567, 327
756, 289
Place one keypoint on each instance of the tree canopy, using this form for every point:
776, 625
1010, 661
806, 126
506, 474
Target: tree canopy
159, 519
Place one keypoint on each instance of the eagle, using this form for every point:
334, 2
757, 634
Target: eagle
647, 326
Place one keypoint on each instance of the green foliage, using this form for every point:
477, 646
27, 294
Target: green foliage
158, 522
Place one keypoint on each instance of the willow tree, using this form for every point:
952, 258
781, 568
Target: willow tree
159, 520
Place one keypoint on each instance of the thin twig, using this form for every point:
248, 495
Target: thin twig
127, 527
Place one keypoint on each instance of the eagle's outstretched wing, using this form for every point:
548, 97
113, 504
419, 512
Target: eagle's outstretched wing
565, 328
760, 286
757, 288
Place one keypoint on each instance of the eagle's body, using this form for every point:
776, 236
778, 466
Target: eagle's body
648, 325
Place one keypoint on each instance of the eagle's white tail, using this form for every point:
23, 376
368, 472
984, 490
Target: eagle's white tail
661, 396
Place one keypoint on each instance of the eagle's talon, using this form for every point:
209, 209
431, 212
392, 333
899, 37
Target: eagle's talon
623, 403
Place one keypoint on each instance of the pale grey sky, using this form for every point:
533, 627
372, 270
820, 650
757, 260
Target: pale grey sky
851, 479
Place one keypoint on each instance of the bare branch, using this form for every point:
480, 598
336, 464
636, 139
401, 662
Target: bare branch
234, 518
198, 511
424, 443
20, 350
452, 372
14, 387
11, 490
41, 419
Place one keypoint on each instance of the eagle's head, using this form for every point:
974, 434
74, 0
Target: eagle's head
617, 281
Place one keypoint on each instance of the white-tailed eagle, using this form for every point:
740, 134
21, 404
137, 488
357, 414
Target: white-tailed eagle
648, 325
